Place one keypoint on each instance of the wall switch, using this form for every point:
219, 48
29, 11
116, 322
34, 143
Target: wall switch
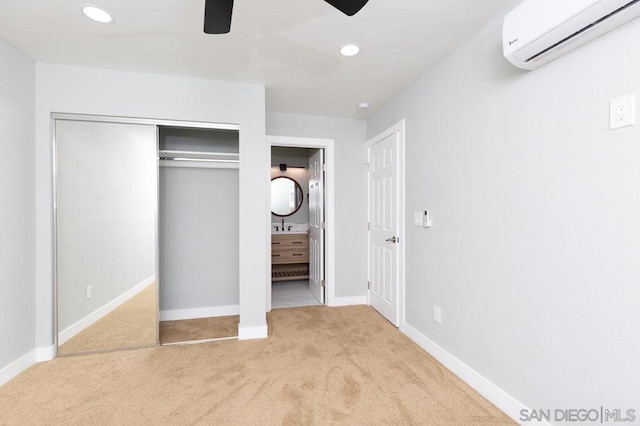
622, 112
417, 218
426, 219
437, 314
88, 292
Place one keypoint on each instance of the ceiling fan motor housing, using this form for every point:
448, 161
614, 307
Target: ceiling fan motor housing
348, 7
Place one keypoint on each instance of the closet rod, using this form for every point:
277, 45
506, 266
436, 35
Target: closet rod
205, 155
200, 160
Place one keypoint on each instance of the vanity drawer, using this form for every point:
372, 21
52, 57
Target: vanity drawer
289, 248
289, 241
292, 255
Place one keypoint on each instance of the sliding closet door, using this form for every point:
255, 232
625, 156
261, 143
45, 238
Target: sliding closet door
106, 194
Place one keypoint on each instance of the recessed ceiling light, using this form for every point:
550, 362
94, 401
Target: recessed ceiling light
97, 14
350, 50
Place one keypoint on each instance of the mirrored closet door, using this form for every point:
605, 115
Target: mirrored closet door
106, 196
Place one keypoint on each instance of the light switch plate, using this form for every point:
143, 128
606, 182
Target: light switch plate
622, 112
417, 218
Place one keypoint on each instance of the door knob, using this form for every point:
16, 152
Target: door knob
392, 240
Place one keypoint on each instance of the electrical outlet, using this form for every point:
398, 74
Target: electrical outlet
88, 292
622, 112
437, 314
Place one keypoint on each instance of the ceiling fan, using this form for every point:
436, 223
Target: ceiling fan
217, 13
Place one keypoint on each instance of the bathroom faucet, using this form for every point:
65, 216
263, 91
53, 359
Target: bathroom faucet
283, 223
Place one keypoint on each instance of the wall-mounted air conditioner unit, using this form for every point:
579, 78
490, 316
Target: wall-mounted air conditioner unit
539, 31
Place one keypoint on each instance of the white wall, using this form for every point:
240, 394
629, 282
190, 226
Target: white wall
71, 89
198, 238
17, 235
351, 190
533, 254
106, 219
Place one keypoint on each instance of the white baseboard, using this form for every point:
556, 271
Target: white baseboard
248, 333
45, 354
206, 312
505, 402
17, 367
85, 322
348, 301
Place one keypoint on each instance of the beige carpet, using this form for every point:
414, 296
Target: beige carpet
198, 329
320, 366
132, 325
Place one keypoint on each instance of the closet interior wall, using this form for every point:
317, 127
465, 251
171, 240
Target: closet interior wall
198, 223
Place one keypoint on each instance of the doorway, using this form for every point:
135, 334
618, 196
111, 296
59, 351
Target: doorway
386, 223
301, 181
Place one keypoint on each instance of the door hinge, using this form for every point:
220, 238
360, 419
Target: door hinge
368, 167
324, 167
368, 285
323, 225
322, 284
368, 226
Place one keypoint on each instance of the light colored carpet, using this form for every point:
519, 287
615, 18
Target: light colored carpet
198, 329
132, 325
320, 366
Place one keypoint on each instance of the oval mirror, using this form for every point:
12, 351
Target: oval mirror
286, 196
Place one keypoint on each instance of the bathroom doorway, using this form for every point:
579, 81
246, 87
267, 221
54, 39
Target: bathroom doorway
301, 231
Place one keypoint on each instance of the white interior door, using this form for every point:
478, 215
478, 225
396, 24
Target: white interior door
316, 222
384, 227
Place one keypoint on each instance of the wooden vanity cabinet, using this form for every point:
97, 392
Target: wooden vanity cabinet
289, 257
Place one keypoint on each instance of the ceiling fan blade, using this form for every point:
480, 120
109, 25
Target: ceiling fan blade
348, 7
217, 16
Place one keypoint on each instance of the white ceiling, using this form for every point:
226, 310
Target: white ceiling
290, 46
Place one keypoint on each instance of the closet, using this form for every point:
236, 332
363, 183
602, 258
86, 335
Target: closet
198, 233
146, 216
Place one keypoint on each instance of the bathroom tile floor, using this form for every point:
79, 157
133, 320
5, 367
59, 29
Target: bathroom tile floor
290, 294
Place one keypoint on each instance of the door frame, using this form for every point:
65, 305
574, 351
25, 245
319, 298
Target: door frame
398, 128
329, 203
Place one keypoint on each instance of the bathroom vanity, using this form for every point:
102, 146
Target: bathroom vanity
289, 256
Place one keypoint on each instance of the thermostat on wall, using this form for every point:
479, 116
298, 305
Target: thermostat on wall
426, 219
